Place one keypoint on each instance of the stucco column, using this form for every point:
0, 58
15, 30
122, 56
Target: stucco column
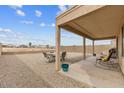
0, 49
117, 45
93, 48
84, 48
57, 63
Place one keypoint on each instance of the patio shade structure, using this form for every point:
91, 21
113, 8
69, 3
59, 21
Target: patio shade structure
96, 22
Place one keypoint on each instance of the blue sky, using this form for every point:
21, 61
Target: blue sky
36, 24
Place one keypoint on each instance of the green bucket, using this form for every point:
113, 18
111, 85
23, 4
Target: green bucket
65, 67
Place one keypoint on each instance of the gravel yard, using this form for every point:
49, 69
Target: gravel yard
32, 70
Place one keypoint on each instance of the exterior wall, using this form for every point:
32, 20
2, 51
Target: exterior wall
89, 49
79, 49
121, 59
24, 50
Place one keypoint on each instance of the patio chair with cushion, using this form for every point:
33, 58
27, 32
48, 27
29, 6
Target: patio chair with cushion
108, 61
49, 57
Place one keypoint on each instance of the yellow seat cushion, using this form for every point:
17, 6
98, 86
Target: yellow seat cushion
105, 58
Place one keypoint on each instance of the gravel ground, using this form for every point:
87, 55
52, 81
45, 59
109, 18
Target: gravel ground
32, 70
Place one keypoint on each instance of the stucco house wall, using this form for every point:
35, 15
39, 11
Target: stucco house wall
121, 59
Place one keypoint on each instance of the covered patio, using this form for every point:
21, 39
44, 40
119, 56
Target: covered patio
86, 72
95, 22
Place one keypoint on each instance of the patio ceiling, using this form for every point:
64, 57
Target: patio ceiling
93, 22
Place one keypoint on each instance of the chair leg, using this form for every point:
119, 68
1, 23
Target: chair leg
61, 60
96, 62
49, 60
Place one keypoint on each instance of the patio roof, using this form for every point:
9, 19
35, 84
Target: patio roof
95, 22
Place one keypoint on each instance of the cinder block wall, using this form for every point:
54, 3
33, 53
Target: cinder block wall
89, 49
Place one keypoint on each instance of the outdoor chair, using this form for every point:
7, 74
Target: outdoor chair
63, 55
49, 57
114, 53
108, 61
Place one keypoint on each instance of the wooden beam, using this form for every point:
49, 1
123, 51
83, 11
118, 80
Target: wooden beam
84, 48
76, 31
57, 63
105, 38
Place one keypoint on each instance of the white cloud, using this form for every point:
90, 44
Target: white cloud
2, 36
20, 12
48, 25
10, 34
62, 8
5, 30
38, 13
16, 6
17, 9
53, 25
27, 22
42, 24
18, 36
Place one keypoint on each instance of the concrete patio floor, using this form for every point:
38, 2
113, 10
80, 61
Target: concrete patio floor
85, 71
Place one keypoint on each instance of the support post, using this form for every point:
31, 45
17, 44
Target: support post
84, 48
93, 48
0, 49
57, 64
117, 45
